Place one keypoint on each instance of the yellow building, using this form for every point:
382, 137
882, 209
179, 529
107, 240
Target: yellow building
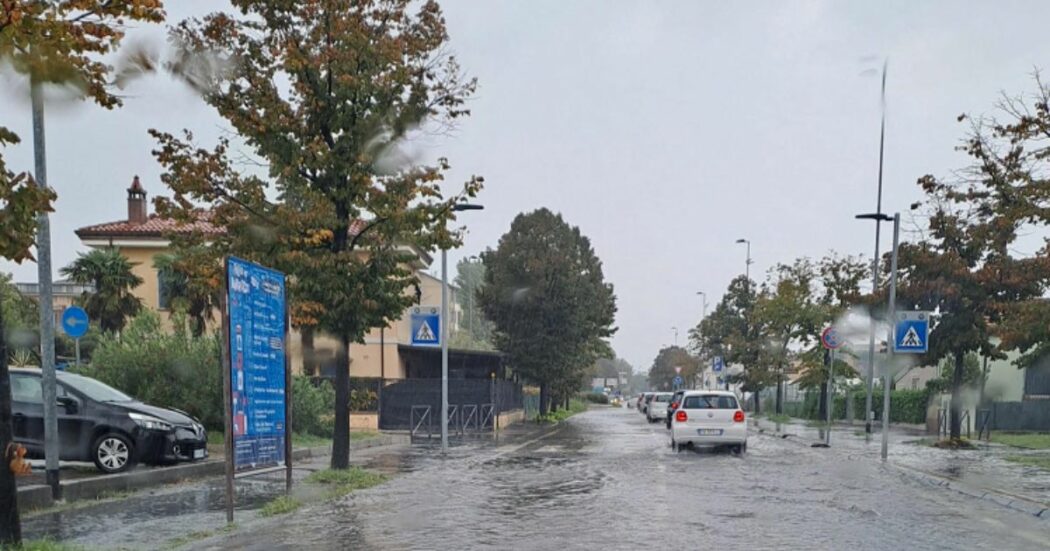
386, 353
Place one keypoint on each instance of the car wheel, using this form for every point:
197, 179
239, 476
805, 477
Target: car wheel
113, 453
743, 448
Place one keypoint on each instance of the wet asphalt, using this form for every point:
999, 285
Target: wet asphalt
608, 478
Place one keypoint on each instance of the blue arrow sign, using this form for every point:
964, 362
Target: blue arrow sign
426, 326
677, 380
911, 334
74, 321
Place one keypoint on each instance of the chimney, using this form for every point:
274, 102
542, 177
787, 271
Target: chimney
136, 202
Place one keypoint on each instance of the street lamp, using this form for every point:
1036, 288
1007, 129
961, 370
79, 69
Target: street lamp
444, 332
703, 304
878, 217
747, 265
675, 329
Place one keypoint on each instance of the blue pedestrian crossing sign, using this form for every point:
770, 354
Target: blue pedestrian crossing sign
911, 333
426, 326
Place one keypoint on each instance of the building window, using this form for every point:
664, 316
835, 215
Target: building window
914, 383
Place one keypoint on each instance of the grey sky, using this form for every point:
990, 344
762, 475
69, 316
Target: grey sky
665, 130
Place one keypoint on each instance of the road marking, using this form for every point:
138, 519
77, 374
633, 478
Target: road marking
513, 449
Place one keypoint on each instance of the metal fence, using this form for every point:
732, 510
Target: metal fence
1026, 415
476, 402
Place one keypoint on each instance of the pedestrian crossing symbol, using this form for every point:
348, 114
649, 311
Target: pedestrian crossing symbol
426, 326
911, 334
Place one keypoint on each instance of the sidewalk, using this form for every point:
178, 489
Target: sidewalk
983, 470
82, 481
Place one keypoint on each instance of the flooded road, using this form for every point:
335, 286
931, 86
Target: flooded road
607, 477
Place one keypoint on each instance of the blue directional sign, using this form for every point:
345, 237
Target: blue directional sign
718, 364
911, 334
258, 332
677, 380
74, 321
426, 326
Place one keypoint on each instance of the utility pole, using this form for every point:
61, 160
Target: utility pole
47, 310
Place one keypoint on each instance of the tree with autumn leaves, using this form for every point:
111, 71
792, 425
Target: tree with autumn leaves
57, 43
322, 93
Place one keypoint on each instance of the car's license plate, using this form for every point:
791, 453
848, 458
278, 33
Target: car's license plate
198, 454
709, 432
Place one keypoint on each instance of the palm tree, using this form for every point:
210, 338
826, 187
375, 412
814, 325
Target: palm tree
191, 284
110, 273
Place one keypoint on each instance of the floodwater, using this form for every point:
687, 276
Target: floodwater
609, 478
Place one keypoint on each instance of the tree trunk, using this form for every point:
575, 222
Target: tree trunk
10, 527
306, 337
955, 418
341, 436
545, 398
566, 402
780, 390
758, 403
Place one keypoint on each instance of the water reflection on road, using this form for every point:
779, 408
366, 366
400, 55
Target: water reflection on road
607, 477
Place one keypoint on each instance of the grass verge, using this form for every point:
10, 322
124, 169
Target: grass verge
1027, 440
343, 481
954, 444
1039, 461
280, 505
778, 417
575, 406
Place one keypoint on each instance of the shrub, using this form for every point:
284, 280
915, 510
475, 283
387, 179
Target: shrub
165, 369
596, 397
313, 407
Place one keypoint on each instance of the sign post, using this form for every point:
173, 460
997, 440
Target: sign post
75, 324
257, 399
832, 341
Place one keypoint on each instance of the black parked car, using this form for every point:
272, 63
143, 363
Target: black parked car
99, 423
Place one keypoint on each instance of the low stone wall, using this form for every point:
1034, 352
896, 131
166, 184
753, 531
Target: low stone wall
508, 418
364, 420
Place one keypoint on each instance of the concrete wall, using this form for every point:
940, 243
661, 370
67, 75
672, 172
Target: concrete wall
508, 418
364, 421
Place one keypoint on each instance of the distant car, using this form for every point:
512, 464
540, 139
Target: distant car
673, 405
99, 423
709, 418
645, 403
640, 404
658, 406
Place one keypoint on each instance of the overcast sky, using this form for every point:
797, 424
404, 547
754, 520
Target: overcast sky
664, 130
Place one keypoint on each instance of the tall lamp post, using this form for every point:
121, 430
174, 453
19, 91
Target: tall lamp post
747, 263
878, 217
444, 332
675, 329
703, 304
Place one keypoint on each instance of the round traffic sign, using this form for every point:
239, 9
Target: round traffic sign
830, 339
74, 321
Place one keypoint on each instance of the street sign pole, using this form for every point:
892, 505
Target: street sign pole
444, 350
829, 402
76, 342
893, 319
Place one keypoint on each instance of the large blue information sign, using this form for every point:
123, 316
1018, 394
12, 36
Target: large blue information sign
256, 304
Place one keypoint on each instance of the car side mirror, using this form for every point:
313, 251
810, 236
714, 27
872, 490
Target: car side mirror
68, 403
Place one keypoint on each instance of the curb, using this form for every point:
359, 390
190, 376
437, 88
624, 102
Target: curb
1003, 499
38, 496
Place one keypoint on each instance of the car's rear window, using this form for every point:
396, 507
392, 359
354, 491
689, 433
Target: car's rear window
663, 398
710, 401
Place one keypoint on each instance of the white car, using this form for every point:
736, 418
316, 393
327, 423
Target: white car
657, 408
709, 418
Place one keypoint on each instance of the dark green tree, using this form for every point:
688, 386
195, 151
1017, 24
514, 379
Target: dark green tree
475, 331
110, 273
322, 92
548, 300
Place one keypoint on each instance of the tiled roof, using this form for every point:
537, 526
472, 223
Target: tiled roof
154, 226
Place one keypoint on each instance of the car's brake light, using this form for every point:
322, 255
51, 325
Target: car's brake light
674, 406
680, 416
738, 417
